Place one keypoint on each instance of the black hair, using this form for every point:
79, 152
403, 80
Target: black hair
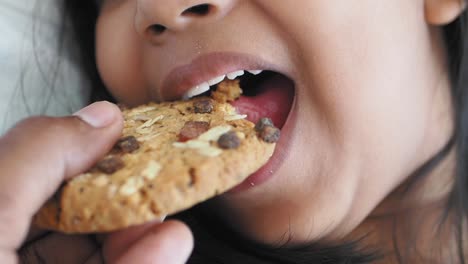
457, 39
82, 16
216, 243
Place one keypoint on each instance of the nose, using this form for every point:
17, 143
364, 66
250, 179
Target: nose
156, 17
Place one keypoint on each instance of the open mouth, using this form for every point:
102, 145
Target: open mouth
265, 94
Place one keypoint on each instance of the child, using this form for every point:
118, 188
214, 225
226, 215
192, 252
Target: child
370, 165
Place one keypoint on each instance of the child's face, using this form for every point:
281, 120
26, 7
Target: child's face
369, 82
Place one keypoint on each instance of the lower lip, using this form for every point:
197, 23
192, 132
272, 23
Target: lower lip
282, 148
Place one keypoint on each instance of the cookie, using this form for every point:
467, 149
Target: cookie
170, 157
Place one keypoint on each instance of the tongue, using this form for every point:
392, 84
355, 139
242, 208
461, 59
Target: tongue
274, 100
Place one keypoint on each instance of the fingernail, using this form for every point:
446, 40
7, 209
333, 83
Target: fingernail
98, 115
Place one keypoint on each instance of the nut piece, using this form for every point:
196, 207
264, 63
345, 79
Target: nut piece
101, 181
130, 187
192, 144
234, 117
204, 106
193, 129
210, 151
141, 117
270, 134
110, 164
229, 140
143, 109
152, 170
262, 123
214, 133
128, 144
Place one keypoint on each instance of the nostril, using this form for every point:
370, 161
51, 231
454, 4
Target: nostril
157, 29
198, 10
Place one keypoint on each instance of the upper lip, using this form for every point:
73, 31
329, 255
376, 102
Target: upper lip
207, 67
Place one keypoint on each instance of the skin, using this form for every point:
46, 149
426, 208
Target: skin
72, 145
372, 103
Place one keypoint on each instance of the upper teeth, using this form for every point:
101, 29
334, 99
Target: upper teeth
203, 87
199, 89
233, 75
216, 80
255, 72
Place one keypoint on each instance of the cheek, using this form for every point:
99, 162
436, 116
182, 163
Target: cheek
365, 70
375, 80
119, 56
366, 116
370, 78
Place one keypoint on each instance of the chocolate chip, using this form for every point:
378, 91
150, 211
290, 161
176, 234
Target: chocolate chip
128, 144
192, 129
270, 134
110, 164
229, 140
262, 123
203, 106
193, 177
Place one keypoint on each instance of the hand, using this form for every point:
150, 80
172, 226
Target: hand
36, 156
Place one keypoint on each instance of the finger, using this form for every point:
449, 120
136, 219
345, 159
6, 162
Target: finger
126, 236
115, 244
170, 242
8, 256
59, 248
38, 153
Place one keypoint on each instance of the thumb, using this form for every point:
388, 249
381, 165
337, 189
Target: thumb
169, 242
40, 152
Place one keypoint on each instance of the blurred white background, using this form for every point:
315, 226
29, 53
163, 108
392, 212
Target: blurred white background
35, 78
